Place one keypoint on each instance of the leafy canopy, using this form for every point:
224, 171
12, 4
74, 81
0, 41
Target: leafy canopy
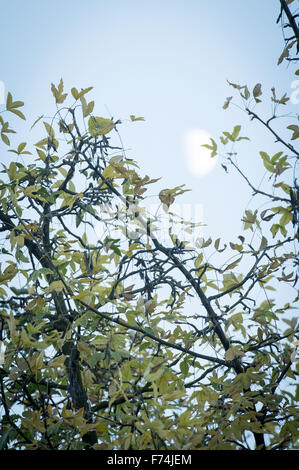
102, 346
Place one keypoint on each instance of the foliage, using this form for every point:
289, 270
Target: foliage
102, 347
287, 17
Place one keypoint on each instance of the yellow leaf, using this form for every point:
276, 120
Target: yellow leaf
108, 172
58, 361
174, 395
198, 260
56, 286
83, 347
166, 197
25, 338
57, 92
134, 118
264, 244
84, 295
86, 108
100, 126
232, 353
150, 305
232, 265
257, 91
228, 100
39, 360
9, 273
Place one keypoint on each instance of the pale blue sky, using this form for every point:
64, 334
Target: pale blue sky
166, 60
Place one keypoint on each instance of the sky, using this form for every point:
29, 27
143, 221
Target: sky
168, 61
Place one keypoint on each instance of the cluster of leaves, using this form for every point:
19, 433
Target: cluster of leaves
101, 348
289, 22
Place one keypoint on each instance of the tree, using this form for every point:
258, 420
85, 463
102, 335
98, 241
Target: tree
290, 41
103, 349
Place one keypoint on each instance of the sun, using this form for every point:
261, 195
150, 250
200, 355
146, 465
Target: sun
198, 159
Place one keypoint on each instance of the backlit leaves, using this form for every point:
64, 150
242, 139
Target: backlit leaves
232, 265
283, 100
227, 102
277, 164
295, 130
9, 273
232, 353
231, 282
257, 91
12, 106
167, 196
122, 307
87, 108
100, 126
78, 94
234, 136
5, 129
235, 85
20, 150
250, 219
134, 118
285, 52
212, 147
58, 92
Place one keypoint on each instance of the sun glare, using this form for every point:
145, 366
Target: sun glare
198, 159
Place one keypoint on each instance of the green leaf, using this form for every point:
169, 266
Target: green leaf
236, 132
232, 353
264, 244
8, 100
216, 245
295, 130
227, 102
109, 172
41, 154
198, 261
36, 121
246, 93
274, 229
18, 113
20, 149
5, 139
78, 94
232, 265
285, 52
99, 126
58, 92
86, 108
75, 93
46, 195
184, 367
257, 91
10, 104
212, 147
134, 118
267, 162
49, 129
283, 100
223, 140
234, 85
